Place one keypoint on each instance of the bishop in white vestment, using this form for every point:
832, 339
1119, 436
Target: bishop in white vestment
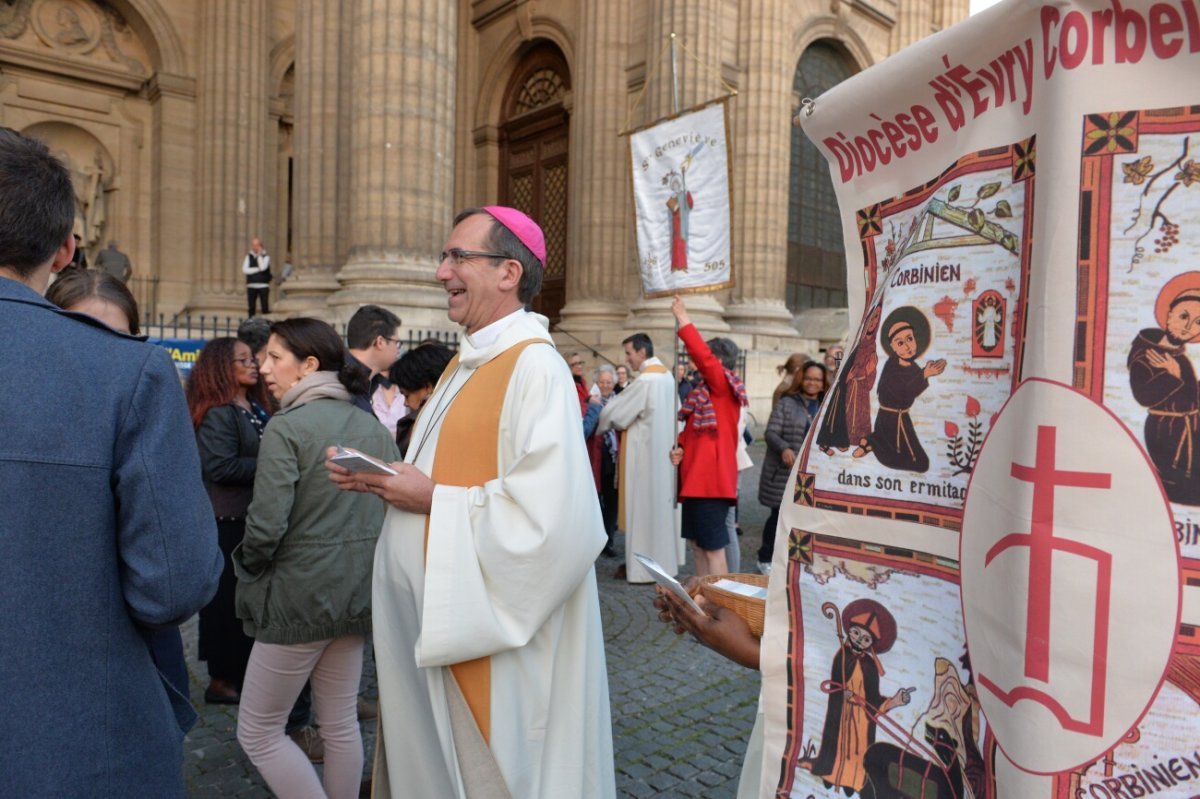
490, 654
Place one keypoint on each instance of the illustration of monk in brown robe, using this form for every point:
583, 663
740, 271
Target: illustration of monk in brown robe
905, 337
1163, 380
848, 418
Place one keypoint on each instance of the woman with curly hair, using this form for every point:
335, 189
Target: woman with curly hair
227, 401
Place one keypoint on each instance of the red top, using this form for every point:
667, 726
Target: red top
709, 468
582, 391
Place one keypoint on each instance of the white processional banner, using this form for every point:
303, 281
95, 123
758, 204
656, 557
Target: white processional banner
991, 580
681, 199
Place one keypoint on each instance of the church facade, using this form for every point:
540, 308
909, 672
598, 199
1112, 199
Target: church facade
346, 134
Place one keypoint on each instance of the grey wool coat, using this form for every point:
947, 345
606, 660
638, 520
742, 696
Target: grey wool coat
105, 529
786, 429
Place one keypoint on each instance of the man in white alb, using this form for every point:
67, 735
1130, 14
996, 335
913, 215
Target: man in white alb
645, 413
490, 654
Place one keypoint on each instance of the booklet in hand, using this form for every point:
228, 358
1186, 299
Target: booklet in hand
667, 581
356, 461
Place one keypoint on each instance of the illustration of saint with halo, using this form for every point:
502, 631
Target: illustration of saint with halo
905, 336
866, 630
1163, 380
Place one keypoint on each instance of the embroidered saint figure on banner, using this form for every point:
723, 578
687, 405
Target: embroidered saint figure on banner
1163, 380
905, 336
680, 204
866, 630
849, 416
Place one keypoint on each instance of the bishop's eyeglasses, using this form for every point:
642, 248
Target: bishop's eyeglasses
458, 255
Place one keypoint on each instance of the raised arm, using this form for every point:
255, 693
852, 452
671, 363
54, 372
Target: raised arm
625, 408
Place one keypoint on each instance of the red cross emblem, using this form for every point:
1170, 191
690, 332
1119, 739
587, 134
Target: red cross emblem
1042, 544
1070, 579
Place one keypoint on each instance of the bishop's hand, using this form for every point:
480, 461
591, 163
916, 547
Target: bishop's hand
409, 489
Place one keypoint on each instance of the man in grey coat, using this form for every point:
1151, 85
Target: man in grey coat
105, 530
115, 262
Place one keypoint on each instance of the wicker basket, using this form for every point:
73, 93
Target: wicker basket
751, 610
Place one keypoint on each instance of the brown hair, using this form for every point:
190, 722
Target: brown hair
213, 381
792, 364
73, 286
306, 337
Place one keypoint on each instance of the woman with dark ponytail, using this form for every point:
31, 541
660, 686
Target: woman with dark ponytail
304, 565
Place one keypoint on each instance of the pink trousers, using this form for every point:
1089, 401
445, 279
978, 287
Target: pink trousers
274, 677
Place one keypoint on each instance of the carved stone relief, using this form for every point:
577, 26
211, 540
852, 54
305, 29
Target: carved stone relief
69, 25
90, 29
92, 170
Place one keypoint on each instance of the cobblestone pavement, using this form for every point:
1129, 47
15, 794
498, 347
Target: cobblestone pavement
681, 714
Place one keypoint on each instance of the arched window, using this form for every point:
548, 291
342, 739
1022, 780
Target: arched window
816, 260
533, 173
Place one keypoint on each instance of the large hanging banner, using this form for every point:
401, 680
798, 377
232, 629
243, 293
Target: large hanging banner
681, 185
991, 584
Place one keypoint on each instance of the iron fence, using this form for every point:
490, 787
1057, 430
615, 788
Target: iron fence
204, 327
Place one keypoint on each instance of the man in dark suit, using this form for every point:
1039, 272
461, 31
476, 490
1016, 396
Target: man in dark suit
105, 529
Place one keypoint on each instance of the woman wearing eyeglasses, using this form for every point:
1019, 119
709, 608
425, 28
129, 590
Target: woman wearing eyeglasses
228, 403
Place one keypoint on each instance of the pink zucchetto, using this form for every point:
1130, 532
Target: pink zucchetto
522, 227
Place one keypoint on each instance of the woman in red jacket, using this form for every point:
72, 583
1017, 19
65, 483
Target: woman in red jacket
707, 451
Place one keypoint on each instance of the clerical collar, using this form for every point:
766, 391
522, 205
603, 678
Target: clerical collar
487, 336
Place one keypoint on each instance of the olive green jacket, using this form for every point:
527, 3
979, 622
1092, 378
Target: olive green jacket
304, 566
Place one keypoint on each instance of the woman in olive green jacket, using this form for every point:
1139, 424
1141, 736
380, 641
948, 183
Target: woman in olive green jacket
304, 565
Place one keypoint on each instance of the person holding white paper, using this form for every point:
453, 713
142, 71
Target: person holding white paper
644, 413
487, 620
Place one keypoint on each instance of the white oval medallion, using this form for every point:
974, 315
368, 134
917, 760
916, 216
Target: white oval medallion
1070, 579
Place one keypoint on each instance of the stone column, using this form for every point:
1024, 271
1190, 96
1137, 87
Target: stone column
233, 159
762, 122
401, 157
697, 26
173, 196
317, 193
949, 12
914, 21
600, 202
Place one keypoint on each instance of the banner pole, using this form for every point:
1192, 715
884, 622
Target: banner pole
674, 79
675, 336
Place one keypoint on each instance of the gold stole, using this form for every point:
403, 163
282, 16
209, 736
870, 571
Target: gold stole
652, 369
466, 456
